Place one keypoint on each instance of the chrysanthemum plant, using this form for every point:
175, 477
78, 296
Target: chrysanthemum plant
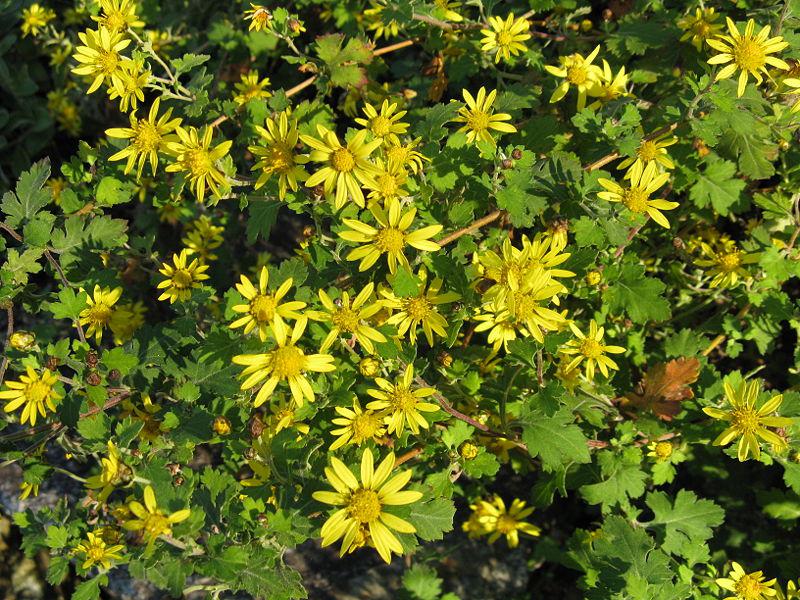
455, 278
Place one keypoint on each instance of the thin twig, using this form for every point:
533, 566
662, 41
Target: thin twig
411, 454
9, 333
475, 225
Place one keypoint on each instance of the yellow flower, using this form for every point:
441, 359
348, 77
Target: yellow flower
35, 18
350, 318
258, 16
197, 159
35, 392
264, 309
99, 310
28, 489
151, 429
402, 403
420, 309
650, 150
473, 526
284, 416
375, 22
99, 56
498, 520
447, 10
65, 111
409, 158
576, 71
203, 237
286, 362
590, 348
221, 425
118, 15
746, 422
500, 325
386, 124
363, 518
356, 426
479, 118
794, 84
569, 378
109, 474
387, 181
181, 277
151, 520
700, 26
390, 238
746, 586
147, 138
609, 87
660, 451
129, 85
250, 87
276, 153
125, 320
636, 196
97, 552
726, 263
369, 366
345, 166
505, 38
747, 53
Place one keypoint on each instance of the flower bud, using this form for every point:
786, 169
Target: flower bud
221, 426
445, 359
369, 366
506, 163
468, 450
516, 153
93, 378
594, 277
22, 340
586, 25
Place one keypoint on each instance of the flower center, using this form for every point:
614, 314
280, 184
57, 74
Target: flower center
663, 450
346, 319
147, 136
577, 74
155, 524
702, 29
745, 420
387, 185
115, 22
398, 154
390, 239
749, 55
262, 307
96, 553
478, 120
381, 126
591, 348
365, 426
403, 399
364, 506
417, 308
37, 392
288, 362
506, 524
199, 161
648, 151
107, 61
182, 279
730, 261
342, 160
748, 588
100, 313
280, 158
524, 306
635, 199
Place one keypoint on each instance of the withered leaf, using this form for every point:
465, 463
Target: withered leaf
664, 386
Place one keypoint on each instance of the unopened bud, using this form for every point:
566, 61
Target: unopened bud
93, 378
594, 277
516, 153
468, 450
221, 426
445, 359
369, 366
506, 163
22, 340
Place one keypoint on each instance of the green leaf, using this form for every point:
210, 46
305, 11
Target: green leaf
188, 62
639, 296
622, 478
263, 216
686, 523
422, 582
555, 439
717, 186
754, 154
117, 358
30, 196
405, 283
107, 232
57, 570
19, 266
89, 589
432, 518
343, 62
111, 191
36, 232
94, 428
69, 305
57, 536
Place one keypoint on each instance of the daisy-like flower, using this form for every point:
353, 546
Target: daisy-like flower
609, 87
500, 325
350, 317
118, 15
151, 520
497, 520
660, 451
284, 416
264, 309
747, 53
28, 489
125, 320
386, 124
250, 87
181, 277
375, 22
506, 37
258, 16
346, 167
286, 362
746, 586
95, 551
700, 26
356, 426
650, 150
387, 181
636, 196
35, 18
422, 309
725, 262
447, 10
99, 56
129, 85
202, 238
363, 518
109, 474
407, 156
747, 422
147, 138
276, 153
196, 159
390, 237
794, 84
99, 310
591, 349
403, 405
480, 119
578, 72
35, 392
